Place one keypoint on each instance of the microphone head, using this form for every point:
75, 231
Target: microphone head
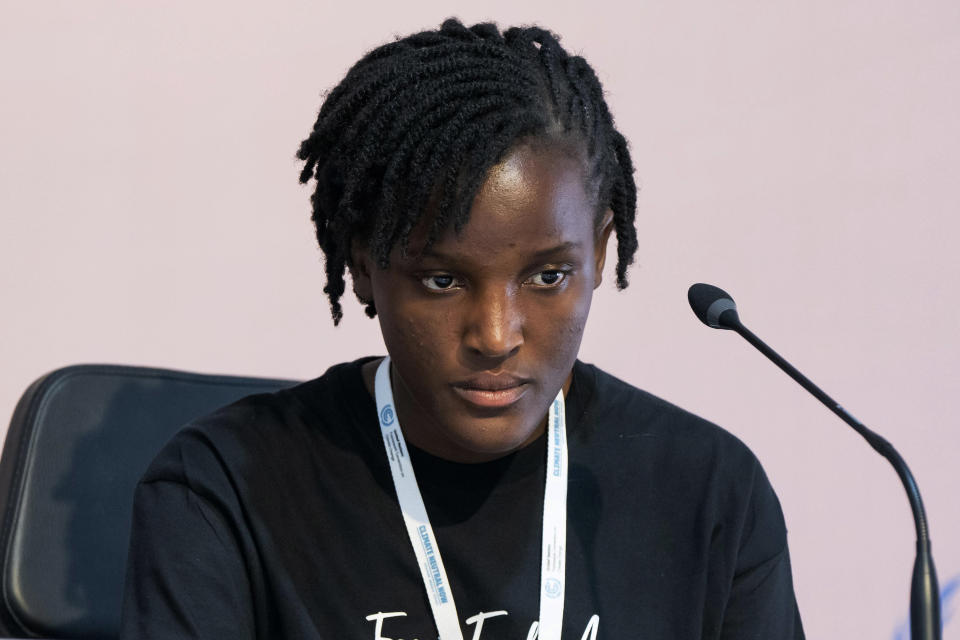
713, 306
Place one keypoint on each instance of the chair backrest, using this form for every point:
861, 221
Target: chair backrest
79, 440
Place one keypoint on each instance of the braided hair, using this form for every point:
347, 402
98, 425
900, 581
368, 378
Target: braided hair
417, 123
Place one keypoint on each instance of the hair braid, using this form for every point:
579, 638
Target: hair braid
417, 123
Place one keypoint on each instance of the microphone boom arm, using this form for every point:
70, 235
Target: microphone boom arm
924, 593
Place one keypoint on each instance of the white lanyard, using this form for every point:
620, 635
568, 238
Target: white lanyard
554, 541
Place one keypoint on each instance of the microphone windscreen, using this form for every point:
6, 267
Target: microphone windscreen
701, 296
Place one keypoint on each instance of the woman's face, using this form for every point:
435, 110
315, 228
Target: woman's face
483, 327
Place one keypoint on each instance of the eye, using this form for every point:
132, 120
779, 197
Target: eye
439, 282
548, 278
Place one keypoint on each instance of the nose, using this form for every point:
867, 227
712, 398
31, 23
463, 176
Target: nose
494, 327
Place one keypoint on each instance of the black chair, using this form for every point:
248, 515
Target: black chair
79, 440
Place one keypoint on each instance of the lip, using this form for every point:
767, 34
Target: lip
492, 391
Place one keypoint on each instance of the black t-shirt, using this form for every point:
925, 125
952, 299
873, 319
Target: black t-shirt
276, 517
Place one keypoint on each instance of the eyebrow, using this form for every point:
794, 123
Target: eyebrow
563, 247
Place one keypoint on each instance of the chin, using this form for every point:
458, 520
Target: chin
489, 441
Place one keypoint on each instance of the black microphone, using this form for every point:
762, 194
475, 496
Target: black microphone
715, 308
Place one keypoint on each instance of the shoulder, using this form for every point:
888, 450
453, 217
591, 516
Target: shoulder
239, 437
683, 463
621, 410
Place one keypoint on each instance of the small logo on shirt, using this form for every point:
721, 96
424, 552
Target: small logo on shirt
552, 588
386, 416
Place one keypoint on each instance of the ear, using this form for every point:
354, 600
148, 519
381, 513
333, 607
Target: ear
600, 248
359, 267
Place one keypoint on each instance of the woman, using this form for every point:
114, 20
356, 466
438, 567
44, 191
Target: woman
480, 481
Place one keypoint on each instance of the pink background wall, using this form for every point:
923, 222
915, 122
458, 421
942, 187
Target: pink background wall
802, 155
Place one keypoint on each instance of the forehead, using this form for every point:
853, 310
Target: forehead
533, 200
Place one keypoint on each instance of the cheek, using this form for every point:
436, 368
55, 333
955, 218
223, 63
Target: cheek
416, 341
562, 327
571, 332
